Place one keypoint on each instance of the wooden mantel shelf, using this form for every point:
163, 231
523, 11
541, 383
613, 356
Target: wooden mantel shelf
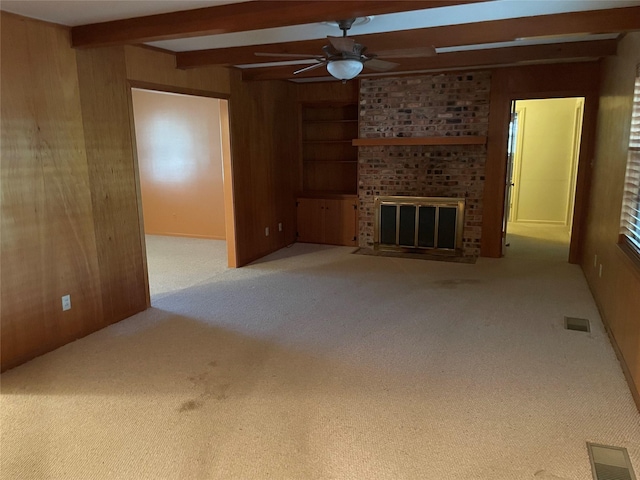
463, 140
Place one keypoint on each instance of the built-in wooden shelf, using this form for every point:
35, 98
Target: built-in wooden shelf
338, 195
328, 160
333, 121
463, 140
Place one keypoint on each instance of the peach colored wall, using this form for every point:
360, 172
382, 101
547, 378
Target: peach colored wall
180, 161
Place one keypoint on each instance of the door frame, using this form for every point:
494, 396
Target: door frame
227, 168
575, 151
539, 81
511, 180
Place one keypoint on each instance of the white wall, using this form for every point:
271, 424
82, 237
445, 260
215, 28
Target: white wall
546, 159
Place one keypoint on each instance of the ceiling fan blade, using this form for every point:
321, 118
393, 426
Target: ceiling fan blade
380, 65
342, 44
310, 67
408, 52
309, 56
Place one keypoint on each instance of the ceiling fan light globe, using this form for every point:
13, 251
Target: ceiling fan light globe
344, 69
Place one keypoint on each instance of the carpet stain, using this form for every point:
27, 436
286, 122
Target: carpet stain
213, 384
544, 475
455, 282
217, 391
190, 405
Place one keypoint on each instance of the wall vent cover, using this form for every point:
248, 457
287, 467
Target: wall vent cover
610, 463
578, 324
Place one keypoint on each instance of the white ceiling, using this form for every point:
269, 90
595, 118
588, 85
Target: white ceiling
81, 12
432, 17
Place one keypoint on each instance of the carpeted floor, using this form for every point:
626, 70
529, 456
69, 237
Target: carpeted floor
314, 363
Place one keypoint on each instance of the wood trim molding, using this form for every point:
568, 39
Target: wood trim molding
136, 176
37, 21
462, 140
631, 254
175, 89
635, 391
227, 185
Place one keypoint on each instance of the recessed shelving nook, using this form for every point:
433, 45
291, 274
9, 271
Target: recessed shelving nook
328, 204
329, 159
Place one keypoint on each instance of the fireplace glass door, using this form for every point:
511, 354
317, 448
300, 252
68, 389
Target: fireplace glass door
419, 223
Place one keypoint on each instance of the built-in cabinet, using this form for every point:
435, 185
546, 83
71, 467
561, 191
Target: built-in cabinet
327, 207
332, 220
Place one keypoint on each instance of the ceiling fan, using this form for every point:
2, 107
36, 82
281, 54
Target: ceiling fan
345, 58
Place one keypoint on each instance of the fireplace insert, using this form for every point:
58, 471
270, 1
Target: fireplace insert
419, 224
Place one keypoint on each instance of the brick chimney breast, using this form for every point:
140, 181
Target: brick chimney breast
450, 104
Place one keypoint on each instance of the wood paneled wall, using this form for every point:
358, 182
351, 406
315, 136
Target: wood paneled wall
264, 142
104, 94
540, 81
150, 66
337, 92
48, 244
69, 204
617, 290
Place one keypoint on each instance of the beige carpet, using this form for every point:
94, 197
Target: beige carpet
314, 364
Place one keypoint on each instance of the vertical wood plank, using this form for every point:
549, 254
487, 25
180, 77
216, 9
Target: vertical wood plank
616, 291
227, 185
328, 92
104, 95
310, 220
48, 244
146, 65
265, 165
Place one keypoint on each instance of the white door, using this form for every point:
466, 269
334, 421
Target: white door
511, 148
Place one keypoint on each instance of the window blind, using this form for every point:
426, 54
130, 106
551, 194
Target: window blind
631, 201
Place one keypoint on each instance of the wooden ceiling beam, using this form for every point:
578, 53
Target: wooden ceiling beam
238, 17
466, 59
598, 21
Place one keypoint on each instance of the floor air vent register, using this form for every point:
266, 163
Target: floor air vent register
577, 324
610, 463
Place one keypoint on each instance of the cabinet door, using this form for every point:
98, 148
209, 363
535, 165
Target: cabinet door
340, 221
310, 220
350, 221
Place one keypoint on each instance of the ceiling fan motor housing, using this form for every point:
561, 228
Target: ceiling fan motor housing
345, 25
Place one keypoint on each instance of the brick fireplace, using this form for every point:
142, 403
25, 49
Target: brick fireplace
443, 105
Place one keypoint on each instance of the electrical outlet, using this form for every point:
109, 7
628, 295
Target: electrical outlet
266, 231
66, 303
600, 271
595, 260
280, 227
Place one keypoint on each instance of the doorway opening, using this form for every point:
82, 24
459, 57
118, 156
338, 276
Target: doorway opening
182, 147
542, 168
